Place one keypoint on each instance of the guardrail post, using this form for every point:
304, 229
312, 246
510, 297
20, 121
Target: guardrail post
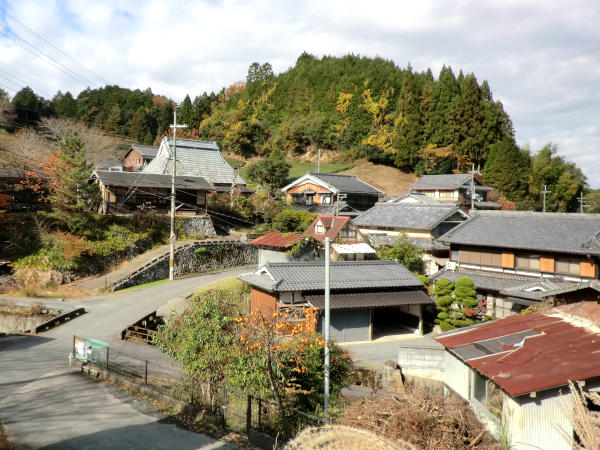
248, 414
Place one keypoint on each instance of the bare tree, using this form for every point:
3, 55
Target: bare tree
7, 110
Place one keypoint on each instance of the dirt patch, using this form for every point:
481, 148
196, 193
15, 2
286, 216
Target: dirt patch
390, 180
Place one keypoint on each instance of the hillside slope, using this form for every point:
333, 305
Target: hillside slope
390, 180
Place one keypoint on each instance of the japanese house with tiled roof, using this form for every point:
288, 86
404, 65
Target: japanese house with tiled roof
368, 298
517, 258
197, 159
347, 244
340, 194
128, 192
456, 188
139, 156
420, 223
514, 372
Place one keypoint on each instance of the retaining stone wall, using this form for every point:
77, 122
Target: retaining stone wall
194, 258
202, 225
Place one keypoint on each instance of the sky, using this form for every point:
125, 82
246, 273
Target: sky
541, 58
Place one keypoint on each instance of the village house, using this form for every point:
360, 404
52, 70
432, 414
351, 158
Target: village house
420, 223
127, 192
347, 244
139, 156
368, 299
455, 188
197, 159
517, 259
333, 194
514, 372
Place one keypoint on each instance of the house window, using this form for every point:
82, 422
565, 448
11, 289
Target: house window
567, 266
319, 228
326, 199
487, 394
446, 194
528, 262
137, 161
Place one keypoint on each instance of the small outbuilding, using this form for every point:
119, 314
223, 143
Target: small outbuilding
368, 298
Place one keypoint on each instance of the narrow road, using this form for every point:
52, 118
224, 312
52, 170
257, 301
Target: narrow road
45, 404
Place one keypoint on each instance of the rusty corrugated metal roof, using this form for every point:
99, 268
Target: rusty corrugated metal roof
556, 351
275, 239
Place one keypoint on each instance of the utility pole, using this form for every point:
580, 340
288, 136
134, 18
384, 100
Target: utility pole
544, 192
319, 161
582, 204
172, 237
472, 187
326, 330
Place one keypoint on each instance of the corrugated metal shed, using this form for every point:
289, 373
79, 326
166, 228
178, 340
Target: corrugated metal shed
275, 239
557, 349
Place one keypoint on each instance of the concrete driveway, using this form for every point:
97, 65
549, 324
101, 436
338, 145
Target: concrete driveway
44, 404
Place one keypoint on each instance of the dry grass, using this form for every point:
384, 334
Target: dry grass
426, 420
390, 180
586, 423
339, 437
4, 444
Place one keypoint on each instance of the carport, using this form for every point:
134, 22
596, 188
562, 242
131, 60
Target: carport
362, 316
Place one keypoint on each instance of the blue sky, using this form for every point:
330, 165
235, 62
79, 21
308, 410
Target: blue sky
541, 58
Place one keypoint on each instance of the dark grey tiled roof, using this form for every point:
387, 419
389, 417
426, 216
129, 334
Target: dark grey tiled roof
550, 288
448, 181
142, 180
378, 240
195, 158
346, 184
12, 173
371, 299
147, 151
550, 232
406, 215
486, 281
310, 276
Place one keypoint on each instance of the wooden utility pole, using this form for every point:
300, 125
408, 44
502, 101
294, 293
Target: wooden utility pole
472, 187
544, 192
319, 161
326, 330
173, 176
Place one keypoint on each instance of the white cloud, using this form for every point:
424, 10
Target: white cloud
540, 58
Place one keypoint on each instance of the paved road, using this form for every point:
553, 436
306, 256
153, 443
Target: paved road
44, 404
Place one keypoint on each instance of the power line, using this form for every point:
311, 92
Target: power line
23, 83
52, 45
38, 53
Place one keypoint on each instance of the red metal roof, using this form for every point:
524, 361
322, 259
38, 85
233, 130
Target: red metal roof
275, 239
561, 352
332, 225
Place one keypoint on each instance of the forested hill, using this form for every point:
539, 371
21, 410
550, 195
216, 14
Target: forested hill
365, 107
362, 107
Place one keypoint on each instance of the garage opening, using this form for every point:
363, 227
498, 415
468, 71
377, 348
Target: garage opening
396, 320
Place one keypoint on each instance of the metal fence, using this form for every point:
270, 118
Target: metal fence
238, 411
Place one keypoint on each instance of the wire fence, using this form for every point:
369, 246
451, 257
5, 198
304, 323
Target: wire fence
236, 410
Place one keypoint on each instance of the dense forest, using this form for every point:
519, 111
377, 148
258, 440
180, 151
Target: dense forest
363, 108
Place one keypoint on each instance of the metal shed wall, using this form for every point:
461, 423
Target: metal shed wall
350, 325
541, 422
456, 375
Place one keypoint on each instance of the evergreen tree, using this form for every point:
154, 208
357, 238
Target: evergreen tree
7, 110
271, 172
139, 127
465, 122
29, 106
64, 105
408, 130
403, 252
73, 199
507, 168
445, 90
186, 111
114, 118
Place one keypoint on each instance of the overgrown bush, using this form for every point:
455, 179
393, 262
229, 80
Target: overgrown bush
457, 304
